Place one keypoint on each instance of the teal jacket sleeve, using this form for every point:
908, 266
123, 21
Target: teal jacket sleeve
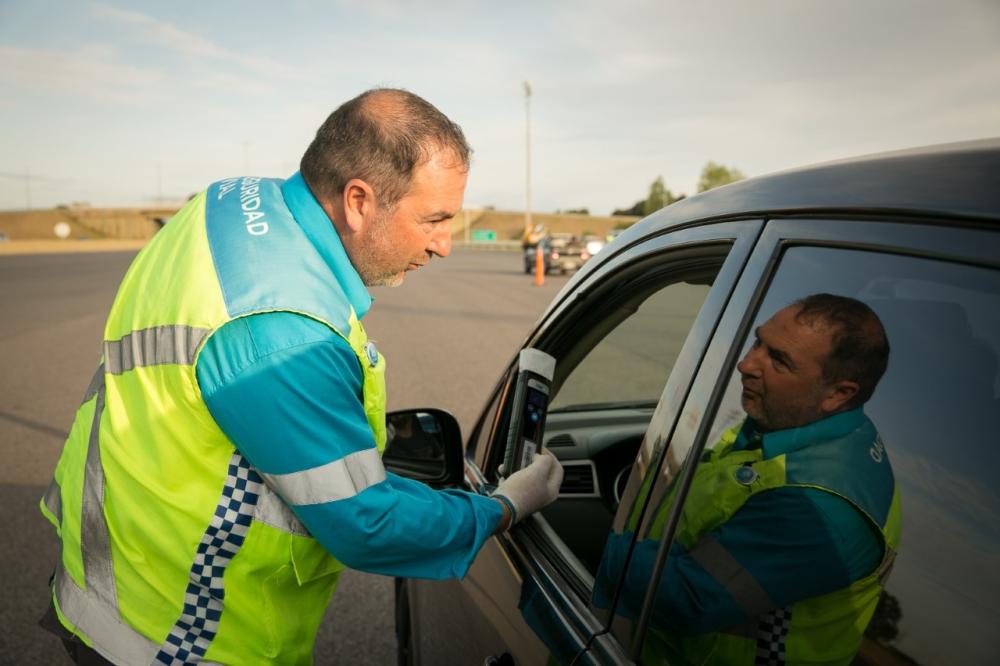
286, 390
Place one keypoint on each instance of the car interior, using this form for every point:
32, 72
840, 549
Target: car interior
613, 362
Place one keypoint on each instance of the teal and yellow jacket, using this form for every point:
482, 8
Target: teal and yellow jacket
225, 465
784, 541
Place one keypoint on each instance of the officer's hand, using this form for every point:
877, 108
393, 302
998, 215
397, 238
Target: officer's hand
534, 487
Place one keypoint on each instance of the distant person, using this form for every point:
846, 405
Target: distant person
533, 236
792, 521
225, 464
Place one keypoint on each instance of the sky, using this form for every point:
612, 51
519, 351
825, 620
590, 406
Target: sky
134, 103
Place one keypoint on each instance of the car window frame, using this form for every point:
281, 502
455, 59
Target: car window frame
533, 543
954, 240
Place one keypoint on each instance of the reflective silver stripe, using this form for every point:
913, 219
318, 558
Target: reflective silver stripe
112, 638
101, 623
95, 382
272, 510
726, 569
337, 480
153, 346
95, 542
95, 611
53, 500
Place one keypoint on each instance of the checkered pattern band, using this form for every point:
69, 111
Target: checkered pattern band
771, 634
190, 637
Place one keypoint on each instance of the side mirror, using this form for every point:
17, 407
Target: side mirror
424, 445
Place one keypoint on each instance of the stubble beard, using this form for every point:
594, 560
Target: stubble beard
754, 409
770, 418
373, 255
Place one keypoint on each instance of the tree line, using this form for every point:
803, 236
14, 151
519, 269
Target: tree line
712, 175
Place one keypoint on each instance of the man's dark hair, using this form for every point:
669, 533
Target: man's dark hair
380, 137
859, 347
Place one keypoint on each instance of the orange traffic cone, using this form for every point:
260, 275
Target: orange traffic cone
539, 266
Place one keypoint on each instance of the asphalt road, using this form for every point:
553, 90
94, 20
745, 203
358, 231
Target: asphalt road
447, 333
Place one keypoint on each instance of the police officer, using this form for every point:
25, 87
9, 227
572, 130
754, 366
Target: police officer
225, 466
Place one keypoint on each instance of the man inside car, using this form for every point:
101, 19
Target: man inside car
792, 520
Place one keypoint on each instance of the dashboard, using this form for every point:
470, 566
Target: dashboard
596, 448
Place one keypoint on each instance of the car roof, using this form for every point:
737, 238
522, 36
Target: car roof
948, 180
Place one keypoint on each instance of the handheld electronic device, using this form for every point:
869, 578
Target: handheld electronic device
531, 401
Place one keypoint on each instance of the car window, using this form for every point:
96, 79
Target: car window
934, 411
631, 362
610, 374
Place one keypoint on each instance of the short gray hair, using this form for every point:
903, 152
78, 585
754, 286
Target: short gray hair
859, 348
380, 137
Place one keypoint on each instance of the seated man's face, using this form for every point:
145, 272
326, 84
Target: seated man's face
782, 373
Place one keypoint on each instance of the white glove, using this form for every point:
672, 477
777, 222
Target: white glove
532, 488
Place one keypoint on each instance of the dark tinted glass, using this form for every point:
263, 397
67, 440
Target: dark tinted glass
936, 409
631, 363
414, 445
600, 412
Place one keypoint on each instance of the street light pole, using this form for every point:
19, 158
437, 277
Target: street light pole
527, 159
27, 187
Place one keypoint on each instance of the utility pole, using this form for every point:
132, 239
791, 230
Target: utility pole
527, 159
27, 188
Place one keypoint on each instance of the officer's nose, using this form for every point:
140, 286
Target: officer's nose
748, 364
441, 240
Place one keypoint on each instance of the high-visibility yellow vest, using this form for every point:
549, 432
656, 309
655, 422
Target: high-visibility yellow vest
821, 630
173, 548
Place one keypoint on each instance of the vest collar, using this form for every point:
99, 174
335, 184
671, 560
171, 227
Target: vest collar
785, 441
321, 233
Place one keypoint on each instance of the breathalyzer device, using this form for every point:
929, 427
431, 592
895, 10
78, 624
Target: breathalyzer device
531, 401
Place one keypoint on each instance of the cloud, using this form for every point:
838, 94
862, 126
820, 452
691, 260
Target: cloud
89, 71
623, 91
961, 497
193, 45
100, 72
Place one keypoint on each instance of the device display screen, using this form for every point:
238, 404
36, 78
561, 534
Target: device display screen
531, 401
536, 402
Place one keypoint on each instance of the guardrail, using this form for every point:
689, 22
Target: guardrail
488, 246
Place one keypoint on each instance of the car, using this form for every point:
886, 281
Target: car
567, 253
594, 244
560, 252
531, 258
646, 338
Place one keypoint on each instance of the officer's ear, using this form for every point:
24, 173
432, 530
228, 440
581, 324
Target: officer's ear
838, 394
359, 204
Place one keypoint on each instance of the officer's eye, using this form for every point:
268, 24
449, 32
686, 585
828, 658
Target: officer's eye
779, 361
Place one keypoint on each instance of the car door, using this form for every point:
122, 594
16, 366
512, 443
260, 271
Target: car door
627, 338
935, 284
